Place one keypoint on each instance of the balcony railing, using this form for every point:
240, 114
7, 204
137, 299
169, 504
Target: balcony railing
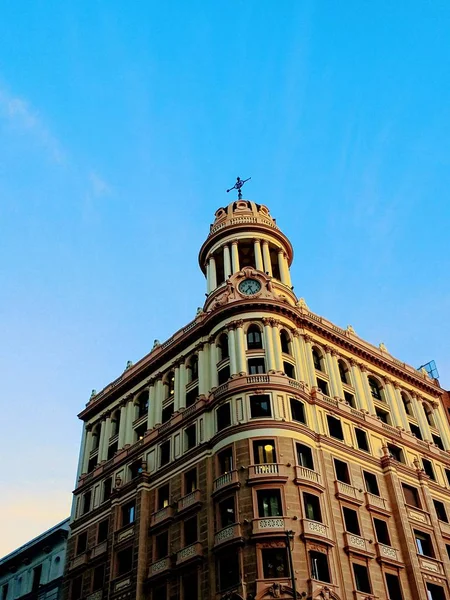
99, 549
158, 567
356, 543
79, 560
194, 551
228, 534
122, 583
161, 516
124, 533
348, 492
267, 471
386, 553
225, 480
431, 564
303, 474
375, 502
268, 525
315, 530
190, 500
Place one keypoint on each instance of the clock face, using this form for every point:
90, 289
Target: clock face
249, 287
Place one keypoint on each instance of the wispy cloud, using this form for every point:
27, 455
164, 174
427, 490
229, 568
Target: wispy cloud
20, 114
99, 187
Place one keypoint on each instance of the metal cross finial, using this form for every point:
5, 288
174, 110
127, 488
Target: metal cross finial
238, 186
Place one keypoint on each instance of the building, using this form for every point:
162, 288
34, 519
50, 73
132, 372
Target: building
35, 570
257, 434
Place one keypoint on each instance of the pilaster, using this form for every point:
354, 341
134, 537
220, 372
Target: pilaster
277, 345
214, 377
151, 414
268, 344
232, 350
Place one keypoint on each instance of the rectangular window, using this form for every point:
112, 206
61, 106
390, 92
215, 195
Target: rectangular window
323, 386
86, 502
102, 531
297, 410
256, 366
383, 415
190, 481
189, 584
371, 483
107, 489
223, 416
351, 520
264, 452
423, 543
135, 468
160, 592
37, 573
342, 473
428, 468
76, 588
319, 566
82, 542
362, 581
5, 591
335, 428
350, 398
99, 578
92, 463
361, 439
124, 561
190, 437
225, 461
190, 531
393, 587
435, 592
260, 406
191, 397
275, 564
439, 507
164, 453
269, 503
396, 453
289, 370
447, 474
305, 456
438, 441
415, 430
411, 496
227, 512
163, 496
162, 545
112, 449
167, 413
128, 513
311, 503
228, 570
224, 375
382, 532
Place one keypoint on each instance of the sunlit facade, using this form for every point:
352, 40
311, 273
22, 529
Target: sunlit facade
260, 449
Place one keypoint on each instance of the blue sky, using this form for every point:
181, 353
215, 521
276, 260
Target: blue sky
121, 126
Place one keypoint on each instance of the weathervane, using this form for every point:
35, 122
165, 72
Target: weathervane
238, 186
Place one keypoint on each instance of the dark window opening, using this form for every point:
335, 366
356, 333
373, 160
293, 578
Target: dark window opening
311, 504
92, 463
371, 483
289, 370
350, 398
162, 545
447, 474
383, 415
362, 580
396, 453
37, 573
375, 388
393, 587
269, 503
76, 588
351, 520
297, 410
193, 369
228, 570
225, 461
223, 416
139, 432
224, 375
415, 430
169, 384
264, 452
223, 347
407, 405
274, 263
438, 441
305, 456
190, 481
275, 564
441, 513
167, 413
163, 495
254, 338
361, 439
160, 592
220, 270
136, 468
382, 532
115, 423
227, 512
143, 404
190, 437
423, 543
428, 468
323, 386
319, 566
86, 502
5, 588
335, 428
256, 366
164, 453
246, 254
260, 406
112, 449
189, 582
191, 396
317, 360
102, 531
284, 339
99, 578
107, 489
128, 513
190, 531
124, 561
411, 495
342, 472
435, 592
343, 372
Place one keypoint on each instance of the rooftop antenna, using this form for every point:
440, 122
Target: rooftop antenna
238, 186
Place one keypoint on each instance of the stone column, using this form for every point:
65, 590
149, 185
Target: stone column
268, 345
337, 375
122, 426
241, 362
107, 427
299, 364
227, 261
101, 441
258, 255
282, 267
203, 379
360, 393
401, 409
418, 411
424, 427
277, 346
287, 271
334, 390
396, 410
182, 384
309, 359
235, 256
87, 448
442, 425
208, 278
232, 350
131, 412
366, 388
212, 273
151, 405
159, 397
176, 388
214, 378
266, 258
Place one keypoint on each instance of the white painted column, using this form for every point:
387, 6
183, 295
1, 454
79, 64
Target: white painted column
309, 360
122, 426
401, 408
101, 442
282, 267
277, 346
232, 349
87, 449
241, 363
131, 415
227, 261
366, 388
397, 409
287, 271
151, 414
299, 364
182, 386
235, 256
334, 391
268, 345
159, 398
266, 258
360, 393
214, 378
258, 255
337, 375
203, 379
107, 427
176, 391
212, 273
208, 278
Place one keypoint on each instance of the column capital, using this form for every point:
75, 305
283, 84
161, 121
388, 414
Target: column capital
280, 250
362, 367
295, 333
307, 338
230, 327
327, 348
239, 324
256, 240
234, 242
267, 321
396, 385
334, 353
211, 339
388, 381
200, 346
353, 362
275, 322
265, 243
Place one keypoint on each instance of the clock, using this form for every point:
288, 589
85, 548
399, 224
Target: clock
249, 287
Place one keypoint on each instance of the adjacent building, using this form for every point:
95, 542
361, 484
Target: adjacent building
35, 570
262, 452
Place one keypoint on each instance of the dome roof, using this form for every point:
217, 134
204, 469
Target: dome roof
242, 211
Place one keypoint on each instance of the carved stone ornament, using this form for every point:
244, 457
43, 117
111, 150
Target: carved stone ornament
383, 348
275, 590
350, 329
302, 304
326, 593
156, 343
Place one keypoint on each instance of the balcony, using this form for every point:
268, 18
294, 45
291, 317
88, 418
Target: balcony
376, 503
267, 472
387, 554
189, 553
345, 491
98, 595
268, 526
357, 544
190, 501
316, 531
226, 482
122, 583
228, 535
160, 567
124, 534
309, 477
99, 549
79, 560
162, 516
417, 514
427, 563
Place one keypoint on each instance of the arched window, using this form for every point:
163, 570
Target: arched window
429, 415
222, 345
142, 403
285, 342
115, 421
318, 360
254, 339
375, 389
169, 384
343, 372
407, 404
192, 368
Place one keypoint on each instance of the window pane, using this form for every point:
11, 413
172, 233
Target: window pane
274, 563
269, 503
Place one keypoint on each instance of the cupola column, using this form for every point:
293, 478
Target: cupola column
226, 261
232, 348
266, 258
213, 363
258, 255
122, 426
203, 379
268, 345
235, 256
241, 363
212, 273
282, 265
151, 414
277, 345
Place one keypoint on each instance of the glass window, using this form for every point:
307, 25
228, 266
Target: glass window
343, 372
411, 496
317, 360
228, 570
98, 578
350, 398
189, 582
284, 339
163, 496
142, 404
428, 468
297, 410
82, 542
438, 441
423, 543
164, 453
382, 532
383, 415
323, 386
371, 483
269, 503
190, 481
191, 396
76, 588
227, 512
375, 388
224, 375
305, 456
415, 430
256, 366
335, 428
190, 531
190, 437
225, 461
260, 406
223, 347
407, 404
162, 545
362, 581
342, 472
37, 573
86, 502
439, 507
361, 439
351, 520
102, 531
289, 370
319, 566
223, 416
311, 503
167, 413
275, 564
254, 339
264, 452
128, 513
393, 587
124, 561
435, 592
396, 453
